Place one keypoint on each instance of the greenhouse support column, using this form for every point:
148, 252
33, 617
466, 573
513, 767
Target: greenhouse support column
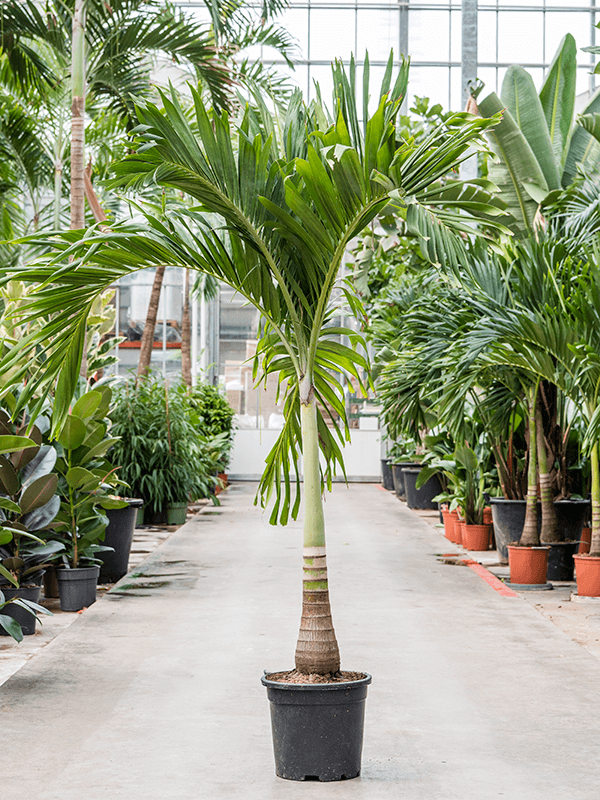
403, 38
468, 169
203, 337
194, 303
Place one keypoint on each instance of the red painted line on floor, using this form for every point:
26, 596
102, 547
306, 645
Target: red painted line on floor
490, 579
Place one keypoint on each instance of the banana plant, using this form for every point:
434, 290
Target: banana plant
541, 144
289, 195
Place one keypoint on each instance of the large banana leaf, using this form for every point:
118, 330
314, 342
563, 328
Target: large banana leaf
557, 97
521, 99
516, 170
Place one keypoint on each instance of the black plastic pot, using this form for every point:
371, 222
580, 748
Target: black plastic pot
171, 514
386, 474
561, 566
420, 498
77, 587
398, 477
317, 728
509, 517
119, 536
24, 618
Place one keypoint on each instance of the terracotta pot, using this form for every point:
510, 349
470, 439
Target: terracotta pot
459, 531
587, 569
476, 537
452, 530
586, 540
487, 515
448, 523
528, 565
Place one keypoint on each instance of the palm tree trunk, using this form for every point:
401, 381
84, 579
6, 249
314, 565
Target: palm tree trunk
77, 117
530, 536
186, 334
549, 531
149, 327
317, 649
595, 463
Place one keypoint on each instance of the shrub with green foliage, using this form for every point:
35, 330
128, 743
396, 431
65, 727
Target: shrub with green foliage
162, 453
216, 419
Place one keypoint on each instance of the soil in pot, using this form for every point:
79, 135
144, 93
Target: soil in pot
77, 587
317, 727
420, 498
587, 569
476, 537
119, 536
25, 619
528, 565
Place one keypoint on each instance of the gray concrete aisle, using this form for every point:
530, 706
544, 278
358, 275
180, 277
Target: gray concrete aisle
154, 693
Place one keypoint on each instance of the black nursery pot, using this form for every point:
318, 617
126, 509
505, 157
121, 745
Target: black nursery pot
317, 728
509, 517
77, 587
561, 566
398, 476
119, 536
420, 498
24, 618
386, 474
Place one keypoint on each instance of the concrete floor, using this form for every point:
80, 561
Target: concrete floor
154, 693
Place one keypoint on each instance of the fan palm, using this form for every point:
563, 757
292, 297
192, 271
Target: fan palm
288, 198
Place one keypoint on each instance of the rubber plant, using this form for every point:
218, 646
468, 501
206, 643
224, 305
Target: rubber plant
289, 195
28, 507
21, 502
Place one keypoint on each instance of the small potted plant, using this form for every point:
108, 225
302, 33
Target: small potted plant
85, 485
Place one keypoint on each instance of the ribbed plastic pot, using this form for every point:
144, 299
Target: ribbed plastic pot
476, 537
176, 513
560, 560
25, 619
317, 728
77, 587
119, 536
528, 565
387, 477
587, 569
420, 498
50, 583
453, 533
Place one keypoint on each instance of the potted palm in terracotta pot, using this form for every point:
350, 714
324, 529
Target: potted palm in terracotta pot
287, 209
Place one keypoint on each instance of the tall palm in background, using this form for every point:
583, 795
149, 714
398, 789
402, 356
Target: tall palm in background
288, 198
94, 58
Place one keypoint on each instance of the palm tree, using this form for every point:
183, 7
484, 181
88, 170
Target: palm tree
289, 197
